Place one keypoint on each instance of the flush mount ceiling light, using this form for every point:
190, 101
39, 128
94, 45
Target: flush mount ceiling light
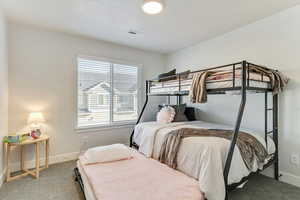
152, 7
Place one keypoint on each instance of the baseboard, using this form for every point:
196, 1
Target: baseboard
2, 177
290, 178
52, 160
285, 177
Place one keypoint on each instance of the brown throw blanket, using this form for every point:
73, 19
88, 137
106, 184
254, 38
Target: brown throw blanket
198, 88
248, 145
278, 80
198, 92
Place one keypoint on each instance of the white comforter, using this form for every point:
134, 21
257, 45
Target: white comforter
200, 157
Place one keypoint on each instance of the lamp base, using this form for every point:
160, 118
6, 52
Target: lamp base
35, 134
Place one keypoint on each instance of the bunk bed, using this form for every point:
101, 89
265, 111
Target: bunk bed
237, 78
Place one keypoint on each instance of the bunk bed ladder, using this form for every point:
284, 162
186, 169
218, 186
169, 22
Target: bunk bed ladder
275, 135
274, 130
266, 118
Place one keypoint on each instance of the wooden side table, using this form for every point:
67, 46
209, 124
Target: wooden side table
34, 172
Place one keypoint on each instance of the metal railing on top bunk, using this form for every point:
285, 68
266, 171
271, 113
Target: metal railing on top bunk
243, 87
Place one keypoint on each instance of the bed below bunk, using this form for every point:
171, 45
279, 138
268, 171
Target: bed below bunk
135, 179
202, 158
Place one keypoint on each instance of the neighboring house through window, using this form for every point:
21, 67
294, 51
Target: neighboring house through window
107, 93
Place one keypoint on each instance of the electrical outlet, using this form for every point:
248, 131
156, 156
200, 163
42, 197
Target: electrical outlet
295, 159
84, 139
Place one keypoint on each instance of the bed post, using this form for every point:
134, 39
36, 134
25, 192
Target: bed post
275, 135
141, 114
237, 126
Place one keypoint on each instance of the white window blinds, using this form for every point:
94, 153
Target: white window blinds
107, 93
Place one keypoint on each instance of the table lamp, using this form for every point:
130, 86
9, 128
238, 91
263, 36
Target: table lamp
35, 119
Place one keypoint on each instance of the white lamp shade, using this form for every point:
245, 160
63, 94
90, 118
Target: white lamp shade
35, 118
152, 7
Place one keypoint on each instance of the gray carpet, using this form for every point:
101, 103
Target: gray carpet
57, 183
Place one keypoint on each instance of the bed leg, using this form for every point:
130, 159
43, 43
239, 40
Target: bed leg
276, 169
75, 175
226, 195
79, 181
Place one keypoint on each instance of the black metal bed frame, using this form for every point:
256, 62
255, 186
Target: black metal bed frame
243, 88
78, 179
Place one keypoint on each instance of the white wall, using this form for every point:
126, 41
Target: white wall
3, 88
274, 41
42, 78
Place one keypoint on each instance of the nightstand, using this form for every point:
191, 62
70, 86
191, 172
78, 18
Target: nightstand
34, 172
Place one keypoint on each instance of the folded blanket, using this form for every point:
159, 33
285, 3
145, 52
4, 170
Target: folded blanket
198, 88
278, 80
248, 145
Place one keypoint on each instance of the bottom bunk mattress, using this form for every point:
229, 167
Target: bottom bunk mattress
202, 158
135, 179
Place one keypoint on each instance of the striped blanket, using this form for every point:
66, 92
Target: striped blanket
248, 145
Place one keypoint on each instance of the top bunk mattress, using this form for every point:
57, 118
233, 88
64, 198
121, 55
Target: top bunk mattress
223, 79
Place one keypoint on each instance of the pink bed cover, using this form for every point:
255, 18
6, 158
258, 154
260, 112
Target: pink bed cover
140, 178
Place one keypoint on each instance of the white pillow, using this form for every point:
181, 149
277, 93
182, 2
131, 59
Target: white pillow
165, 115
108, 153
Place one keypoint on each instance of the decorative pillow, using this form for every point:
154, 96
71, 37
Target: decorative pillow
108, 153
180, 110
190, 113
180, 113
166, 115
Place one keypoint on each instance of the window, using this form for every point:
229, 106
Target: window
100, 99
107, 93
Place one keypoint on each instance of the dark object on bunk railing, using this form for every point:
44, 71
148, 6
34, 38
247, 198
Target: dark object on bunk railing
243, 88
171, 75
167, 76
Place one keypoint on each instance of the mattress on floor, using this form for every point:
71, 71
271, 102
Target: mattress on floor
135, 179
88, 192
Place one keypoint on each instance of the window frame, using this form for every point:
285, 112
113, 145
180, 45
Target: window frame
111, 125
